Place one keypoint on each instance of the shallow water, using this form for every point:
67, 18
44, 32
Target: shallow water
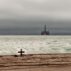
10, 45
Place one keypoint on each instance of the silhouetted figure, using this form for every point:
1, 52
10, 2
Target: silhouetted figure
45, 32
21, 52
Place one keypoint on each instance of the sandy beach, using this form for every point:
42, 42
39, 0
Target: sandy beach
68, 68
36, 62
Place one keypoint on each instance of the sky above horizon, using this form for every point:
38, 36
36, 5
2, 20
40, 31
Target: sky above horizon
35, 13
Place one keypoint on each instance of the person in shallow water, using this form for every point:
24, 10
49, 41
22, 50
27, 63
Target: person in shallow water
21, 52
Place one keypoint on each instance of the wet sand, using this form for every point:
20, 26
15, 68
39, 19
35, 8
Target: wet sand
36, 62
44, 68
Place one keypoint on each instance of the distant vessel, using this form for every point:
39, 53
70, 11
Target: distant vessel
45, 32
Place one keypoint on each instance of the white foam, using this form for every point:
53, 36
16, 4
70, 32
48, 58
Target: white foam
35, 44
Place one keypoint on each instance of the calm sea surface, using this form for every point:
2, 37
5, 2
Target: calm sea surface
10, 45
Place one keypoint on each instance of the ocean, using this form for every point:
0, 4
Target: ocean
34, 44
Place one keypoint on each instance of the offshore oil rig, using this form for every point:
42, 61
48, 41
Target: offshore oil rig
45, 32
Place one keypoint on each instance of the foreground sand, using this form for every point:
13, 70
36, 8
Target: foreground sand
63, 68
36, 62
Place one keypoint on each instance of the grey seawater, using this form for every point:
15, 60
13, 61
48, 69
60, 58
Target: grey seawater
32, 44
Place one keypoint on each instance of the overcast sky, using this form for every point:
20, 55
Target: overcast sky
34, 13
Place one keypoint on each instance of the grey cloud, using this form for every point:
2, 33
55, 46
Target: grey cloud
23, 8
34, 13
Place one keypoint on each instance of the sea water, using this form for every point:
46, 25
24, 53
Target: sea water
10, 45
